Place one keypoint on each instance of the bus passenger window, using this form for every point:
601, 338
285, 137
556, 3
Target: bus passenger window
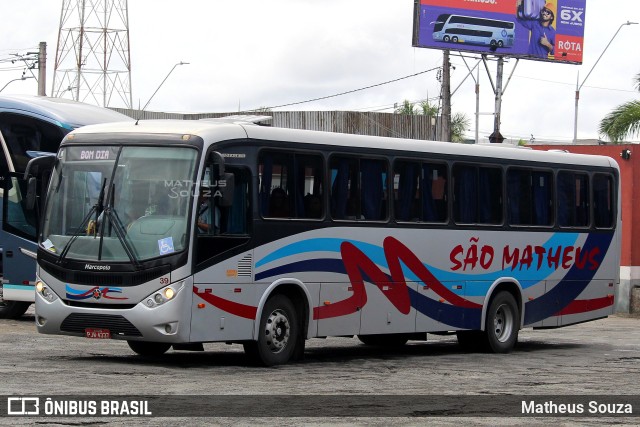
358, 188
603, 199
420, 192
291, 185
477, 195
434, 192
529, 196
573, 199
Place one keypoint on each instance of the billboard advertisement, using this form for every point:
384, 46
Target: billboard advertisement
545, 30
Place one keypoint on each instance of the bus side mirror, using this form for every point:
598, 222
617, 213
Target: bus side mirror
225, 192
31, 193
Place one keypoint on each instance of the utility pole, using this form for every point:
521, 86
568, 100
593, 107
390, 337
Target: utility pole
496, 136
445, 135
42, 69
93, 61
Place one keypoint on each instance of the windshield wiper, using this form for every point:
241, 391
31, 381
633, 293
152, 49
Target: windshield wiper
115, 222
85, 221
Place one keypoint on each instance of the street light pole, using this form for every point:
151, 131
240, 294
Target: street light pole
579, 85
15, 80
165, 79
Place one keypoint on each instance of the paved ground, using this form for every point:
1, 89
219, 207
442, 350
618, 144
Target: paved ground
596, 358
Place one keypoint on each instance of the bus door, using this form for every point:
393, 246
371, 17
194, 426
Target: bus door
224, 294
19, 232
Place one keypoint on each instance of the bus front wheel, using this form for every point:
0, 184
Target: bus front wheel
503, 323
278, 333
12, 309
446, 39
149, 349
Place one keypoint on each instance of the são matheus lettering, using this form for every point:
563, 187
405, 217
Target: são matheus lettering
521, 258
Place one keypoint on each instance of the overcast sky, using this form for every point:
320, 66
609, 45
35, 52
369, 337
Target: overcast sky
246, 55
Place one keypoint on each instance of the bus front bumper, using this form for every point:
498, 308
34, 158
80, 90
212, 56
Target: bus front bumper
168, 322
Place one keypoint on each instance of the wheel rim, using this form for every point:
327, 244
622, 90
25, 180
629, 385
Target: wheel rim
503, 323
277, 331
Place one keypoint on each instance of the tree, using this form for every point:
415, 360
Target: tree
624, 121
407, 107
428, 109
459, 124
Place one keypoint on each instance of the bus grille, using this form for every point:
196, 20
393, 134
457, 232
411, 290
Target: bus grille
117, 325
245, 266
96, 278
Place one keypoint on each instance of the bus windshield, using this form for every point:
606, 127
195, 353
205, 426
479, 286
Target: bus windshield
118, 204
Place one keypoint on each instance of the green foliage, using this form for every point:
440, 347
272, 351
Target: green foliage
428, 109
407, 107
623, 121
459, 124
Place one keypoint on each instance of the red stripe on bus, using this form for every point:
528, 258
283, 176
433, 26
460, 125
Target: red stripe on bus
240, 310
584, 305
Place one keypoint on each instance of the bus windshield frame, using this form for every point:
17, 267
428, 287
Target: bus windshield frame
119, 203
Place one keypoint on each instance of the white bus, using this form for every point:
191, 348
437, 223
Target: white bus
179, 233
474, 30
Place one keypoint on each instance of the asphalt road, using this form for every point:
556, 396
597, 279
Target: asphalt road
596, 358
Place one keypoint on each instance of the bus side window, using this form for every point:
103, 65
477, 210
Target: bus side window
603, 200
477, 195
434, 192
373, 175
573, 199
406, 191
228, 226
290, 185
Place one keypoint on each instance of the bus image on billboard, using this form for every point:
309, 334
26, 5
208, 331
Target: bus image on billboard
472, 30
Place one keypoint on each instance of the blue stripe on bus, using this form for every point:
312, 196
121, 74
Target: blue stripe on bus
572, 285
328, 265
451, 315
19, 287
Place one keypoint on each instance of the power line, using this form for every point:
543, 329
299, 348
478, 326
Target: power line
347, 92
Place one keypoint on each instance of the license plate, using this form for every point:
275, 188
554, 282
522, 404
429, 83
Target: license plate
98, 334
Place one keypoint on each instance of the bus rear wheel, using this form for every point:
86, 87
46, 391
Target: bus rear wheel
278, 333
149, 349
503, 323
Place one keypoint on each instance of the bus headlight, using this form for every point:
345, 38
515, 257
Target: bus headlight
163, 295
44, 290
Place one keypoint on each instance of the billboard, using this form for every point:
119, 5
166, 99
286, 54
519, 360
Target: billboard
545, 30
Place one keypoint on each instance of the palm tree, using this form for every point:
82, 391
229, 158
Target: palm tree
624, 121
407, 108
459, 124
428, 109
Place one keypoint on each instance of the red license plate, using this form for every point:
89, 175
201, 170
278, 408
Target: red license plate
99, 334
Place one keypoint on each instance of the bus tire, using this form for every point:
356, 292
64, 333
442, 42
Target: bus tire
149, 349
13, 309
278, 333
503, 323
384, 340
454, 39
446, 39
500, 43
